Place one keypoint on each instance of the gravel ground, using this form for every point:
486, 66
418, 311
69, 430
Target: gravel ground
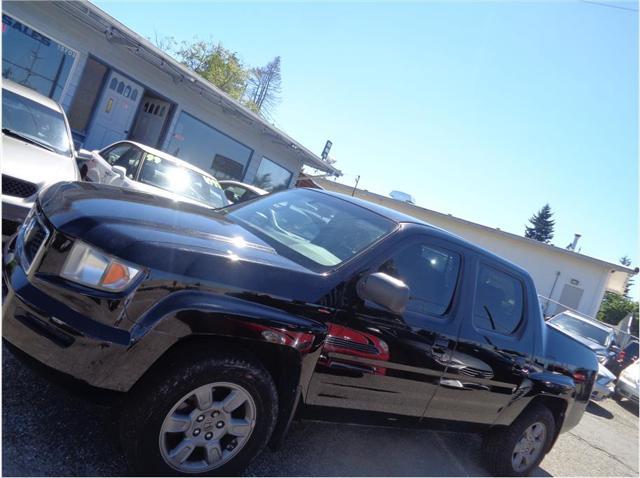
49, 432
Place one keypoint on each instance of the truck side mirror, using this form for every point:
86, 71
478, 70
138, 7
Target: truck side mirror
385, 291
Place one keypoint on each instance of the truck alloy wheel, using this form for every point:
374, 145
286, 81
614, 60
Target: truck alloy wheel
529, 447
207, 427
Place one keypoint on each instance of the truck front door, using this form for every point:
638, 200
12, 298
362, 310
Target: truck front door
375, 360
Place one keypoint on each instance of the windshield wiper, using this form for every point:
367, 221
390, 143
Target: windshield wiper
15, 134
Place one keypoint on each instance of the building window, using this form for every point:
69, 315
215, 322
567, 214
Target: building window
271, 176
34, 60
499, 301
113, 84
431, 274
208, 148
86, 95
120, 88
127, 91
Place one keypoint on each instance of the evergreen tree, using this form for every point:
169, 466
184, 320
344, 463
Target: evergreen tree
541, 228
625, 261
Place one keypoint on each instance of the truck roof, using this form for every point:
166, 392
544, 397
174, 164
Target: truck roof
402, 218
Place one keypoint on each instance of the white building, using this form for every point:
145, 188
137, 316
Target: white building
574, 280
114, 85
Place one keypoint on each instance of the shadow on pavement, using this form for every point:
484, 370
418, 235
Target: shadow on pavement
629, 406
598, 411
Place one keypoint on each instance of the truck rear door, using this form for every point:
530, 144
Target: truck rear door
492, 355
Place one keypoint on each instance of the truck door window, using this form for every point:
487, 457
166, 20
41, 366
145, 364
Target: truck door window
499, 301
431, 274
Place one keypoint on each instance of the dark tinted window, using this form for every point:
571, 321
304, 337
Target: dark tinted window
431, 274
499, 301
271, 176
86, 94
632, 349
208, 148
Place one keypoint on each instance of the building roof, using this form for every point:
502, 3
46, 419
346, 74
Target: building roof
531, 242
119, 34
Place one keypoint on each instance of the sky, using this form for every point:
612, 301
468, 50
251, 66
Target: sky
485, 111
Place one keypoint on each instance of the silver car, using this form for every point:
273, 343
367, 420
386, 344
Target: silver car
137, 166
37, 151
628, 385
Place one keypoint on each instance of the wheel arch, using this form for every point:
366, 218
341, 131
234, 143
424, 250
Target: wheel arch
283, 363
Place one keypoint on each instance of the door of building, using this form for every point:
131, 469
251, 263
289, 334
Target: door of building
116, 109
150, 121
570, 298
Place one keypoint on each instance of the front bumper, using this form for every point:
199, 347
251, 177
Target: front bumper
601, 391
627, 389
60, 338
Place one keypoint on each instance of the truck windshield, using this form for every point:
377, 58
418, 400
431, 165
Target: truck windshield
32, 122
581, 328
313, 226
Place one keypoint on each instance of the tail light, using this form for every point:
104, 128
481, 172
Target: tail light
579, 376
621, 356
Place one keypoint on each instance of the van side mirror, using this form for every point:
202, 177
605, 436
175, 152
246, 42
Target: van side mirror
230, 195
385, 291
119, 170
84, 154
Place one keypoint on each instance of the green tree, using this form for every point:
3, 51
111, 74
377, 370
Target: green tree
626, 261
542, 224
257, 88
615, 307
216, 64
264, 88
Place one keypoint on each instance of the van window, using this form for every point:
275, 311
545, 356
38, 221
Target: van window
431, 274
499, 301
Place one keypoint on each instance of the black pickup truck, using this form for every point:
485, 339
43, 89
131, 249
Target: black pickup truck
218, 327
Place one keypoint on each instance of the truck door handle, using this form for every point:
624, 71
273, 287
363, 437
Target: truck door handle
440, 346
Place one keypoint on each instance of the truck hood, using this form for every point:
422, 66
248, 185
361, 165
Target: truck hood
32, 163
178, 238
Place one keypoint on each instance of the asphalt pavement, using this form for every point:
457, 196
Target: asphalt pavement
47, 431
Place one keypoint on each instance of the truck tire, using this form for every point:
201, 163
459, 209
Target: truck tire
200, 417
517, 449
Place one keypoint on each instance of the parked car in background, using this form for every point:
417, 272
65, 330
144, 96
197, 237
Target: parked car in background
137, 166
238, 192
623, 358
217, 326
628, 385
599, 337
37, 150
596, 335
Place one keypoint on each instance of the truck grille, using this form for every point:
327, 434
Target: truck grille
9, 227
17, 187
35, 234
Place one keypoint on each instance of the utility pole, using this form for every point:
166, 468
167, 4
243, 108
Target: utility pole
353, 193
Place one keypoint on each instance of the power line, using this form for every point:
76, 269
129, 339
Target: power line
619, 7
